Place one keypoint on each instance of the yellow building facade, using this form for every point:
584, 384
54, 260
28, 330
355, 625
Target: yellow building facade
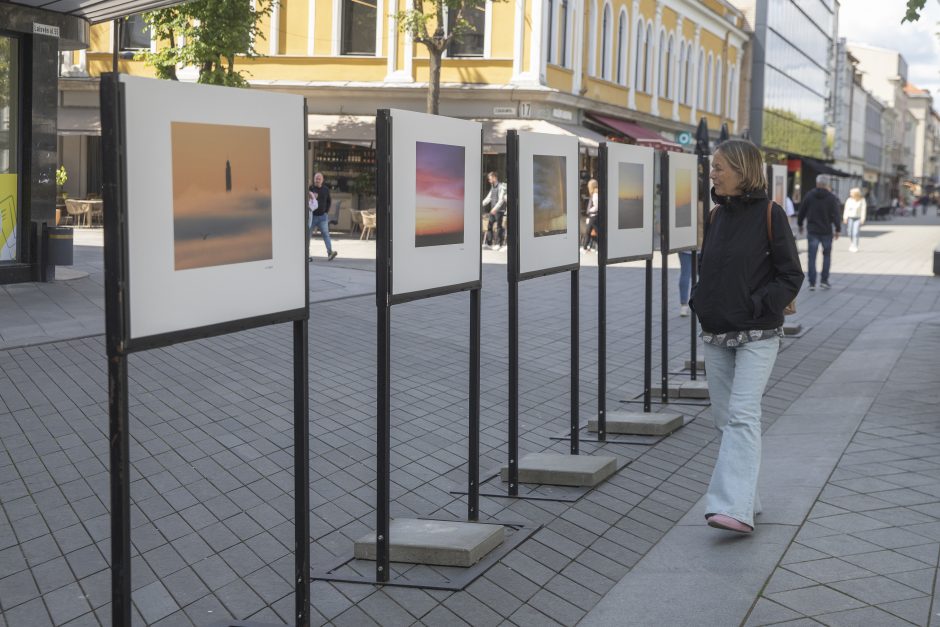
566, 66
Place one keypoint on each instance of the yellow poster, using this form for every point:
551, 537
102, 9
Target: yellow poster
8, 217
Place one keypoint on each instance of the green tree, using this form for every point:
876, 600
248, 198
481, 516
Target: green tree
425, 22
787, 132
213, 34
6, 68
914, 7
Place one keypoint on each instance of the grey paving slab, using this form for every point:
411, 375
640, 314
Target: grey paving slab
435, 542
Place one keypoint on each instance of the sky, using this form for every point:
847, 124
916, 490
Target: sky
878, 23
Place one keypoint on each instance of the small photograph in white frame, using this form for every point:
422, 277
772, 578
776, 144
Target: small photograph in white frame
548, 202
630, 190
778, 184
435, 217
683, 201
190, 264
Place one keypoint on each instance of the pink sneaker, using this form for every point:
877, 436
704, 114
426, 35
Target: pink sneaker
720, 521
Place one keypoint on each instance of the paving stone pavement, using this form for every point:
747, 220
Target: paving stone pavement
212, 455
868, 553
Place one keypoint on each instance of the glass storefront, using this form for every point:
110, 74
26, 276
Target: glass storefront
9, 144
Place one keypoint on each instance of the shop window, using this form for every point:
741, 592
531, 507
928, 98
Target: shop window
468, 44
359, 18
135, 33
9, 148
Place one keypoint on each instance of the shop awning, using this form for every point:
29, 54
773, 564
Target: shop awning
824, 168
99, 10
642, 136
347, 129
79, 121
494, 133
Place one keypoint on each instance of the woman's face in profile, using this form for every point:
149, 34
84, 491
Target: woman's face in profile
727, 182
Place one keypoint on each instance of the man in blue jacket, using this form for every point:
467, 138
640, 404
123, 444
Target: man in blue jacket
821, 211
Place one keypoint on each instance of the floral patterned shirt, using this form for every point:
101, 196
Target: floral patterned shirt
736, 338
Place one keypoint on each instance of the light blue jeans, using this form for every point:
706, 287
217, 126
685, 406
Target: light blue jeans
322, 223
854, 224
685, 276
736, 381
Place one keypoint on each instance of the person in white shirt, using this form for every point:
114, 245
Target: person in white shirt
591, 221
853, 216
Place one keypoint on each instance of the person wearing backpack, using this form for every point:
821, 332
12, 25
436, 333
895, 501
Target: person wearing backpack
749, 274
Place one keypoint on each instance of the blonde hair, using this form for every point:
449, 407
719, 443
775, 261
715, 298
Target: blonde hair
744, 158
855, 193
592, 186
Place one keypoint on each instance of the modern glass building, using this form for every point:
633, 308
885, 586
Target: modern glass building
792, 61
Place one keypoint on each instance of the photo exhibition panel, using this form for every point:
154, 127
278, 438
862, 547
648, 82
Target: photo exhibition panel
547, 202
214, 194
683, 201
629, 219
435, 178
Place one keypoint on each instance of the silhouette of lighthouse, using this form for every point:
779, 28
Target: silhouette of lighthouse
228, 175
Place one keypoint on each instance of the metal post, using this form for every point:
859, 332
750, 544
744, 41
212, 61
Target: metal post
473, 453
648, 339
693, 349
383, 145
116, 44
575, 420
664, 286
115, 267
301, 477
120, 492
601, 226
512, 182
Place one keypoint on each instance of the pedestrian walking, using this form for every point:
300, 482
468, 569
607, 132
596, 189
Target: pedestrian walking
749, 272
320, 213
497, 201
853, 216
591, 221
820, 211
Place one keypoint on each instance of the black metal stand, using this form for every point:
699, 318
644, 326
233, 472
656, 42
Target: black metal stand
119, 344
664, 274
693, 346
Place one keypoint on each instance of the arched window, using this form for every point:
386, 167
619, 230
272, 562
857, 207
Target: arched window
592, 39
709, 84
680, 74
719, 103
638, 56
661, 54
687, 76
666, 73
605, 42
700, 90
563, 25
622, 48
550, 31
732, 105
648, 60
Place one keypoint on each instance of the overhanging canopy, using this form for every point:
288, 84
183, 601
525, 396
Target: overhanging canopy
494, 132
79, 121
824, 168
348, 129
642, 136
98, 10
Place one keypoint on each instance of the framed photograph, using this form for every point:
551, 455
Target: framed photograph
215, 218
778, 184
683, 200
435, 172
629, 196
546, 186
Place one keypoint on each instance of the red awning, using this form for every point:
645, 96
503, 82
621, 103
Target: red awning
642, 136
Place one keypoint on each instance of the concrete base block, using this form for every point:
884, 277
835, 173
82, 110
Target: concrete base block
435, 542
700, 364
561, 469
684, 388
792, 328
638, 423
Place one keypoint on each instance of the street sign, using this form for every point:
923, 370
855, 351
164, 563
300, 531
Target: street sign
684, 138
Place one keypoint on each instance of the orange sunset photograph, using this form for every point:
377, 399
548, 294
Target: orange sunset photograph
683, 198
221, 194
439, 194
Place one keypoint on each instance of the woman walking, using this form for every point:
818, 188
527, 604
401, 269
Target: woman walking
592, 208
749, 272
854, 216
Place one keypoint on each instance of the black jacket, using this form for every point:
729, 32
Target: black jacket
821, 210
323, 199
744, 282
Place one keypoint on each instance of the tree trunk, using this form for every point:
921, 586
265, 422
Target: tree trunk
434, 83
